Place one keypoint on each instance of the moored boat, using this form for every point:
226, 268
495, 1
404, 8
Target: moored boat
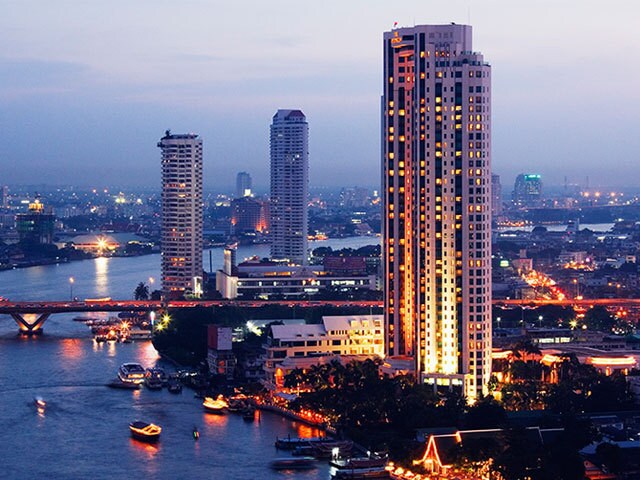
290, 443
293, 463
146, 432
131, 373
117, 383
249, 413
359, 468
215, 405
174, 385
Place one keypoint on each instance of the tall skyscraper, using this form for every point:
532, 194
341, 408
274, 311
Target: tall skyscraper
496, 196
289, 186
181, 214
243, 185
436, 169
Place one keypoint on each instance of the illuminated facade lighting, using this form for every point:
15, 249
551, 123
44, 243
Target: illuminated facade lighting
437, 203
181, 214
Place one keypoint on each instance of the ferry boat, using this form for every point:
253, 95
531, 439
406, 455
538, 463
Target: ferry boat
146, 432
293, 463
359, 468
131, 373
39, 403
215, 405
291, 443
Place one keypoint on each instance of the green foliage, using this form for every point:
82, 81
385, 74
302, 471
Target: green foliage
598, 318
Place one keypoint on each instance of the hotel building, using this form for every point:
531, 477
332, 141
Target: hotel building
288, 226
181, 214
436, 168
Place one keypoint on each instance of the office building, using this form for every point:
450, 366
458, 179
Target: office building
181, 214
243, 185
436, 144
496, 196
288, 227
36, 226
527, 190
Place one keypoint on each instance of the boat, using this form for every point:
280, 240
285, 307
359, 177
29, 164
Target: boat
237, 404
39, 403
249, 413
146, 432
153, 383
174, 385
359, 468
215, 405
156, 378
131, 372
330, 449
117, 383
289, 443
293, 463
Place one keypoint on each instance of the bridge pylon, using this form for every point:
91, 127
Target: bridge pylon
30, 323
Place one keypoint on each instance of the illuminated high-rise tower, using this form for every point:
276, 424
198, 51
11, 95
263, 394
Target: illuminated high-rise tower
181, 214
436, 169
289, 186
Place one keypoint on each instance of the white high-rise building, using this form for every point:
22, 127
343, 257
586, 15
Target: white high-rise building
181, 214
289, 186
436, 148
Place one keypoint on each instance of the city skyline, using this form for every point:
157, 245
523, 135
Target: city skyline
67, 90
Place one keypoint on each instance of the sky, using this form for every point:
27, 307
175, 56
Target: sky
87, 87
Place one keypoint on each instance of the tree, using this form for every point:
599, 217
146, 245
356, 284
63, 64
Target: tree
141, 292
599, 319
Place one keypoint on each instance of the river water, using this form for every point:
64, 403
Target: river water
83, 432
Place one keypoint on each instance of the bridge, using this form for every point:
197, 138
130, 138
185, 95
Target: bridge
31, 315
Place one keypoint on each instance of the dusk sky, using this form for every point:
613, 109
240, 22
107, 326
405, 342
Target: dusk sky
87, 88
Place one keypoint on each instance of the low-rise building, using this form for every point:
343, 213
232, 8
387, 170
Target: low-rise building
263, 279
299, 346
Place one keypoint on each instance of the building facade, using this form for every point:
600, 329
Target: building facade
496, 196
436, 168
527, 190
344, 337
181, 214
36, 226
243, 185
288, 226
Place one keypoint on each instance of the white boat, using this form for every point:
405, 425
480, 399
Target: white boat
131, 373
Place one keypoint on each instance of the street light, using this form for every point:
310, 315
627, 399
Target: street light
71, 281
498, 320
540, 321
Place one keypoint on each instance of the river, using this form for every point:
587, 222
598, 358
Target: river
83, 432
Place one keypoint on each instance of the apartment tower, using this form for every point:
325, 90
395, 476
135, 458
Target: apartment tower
181, 214
289, 186
436, 168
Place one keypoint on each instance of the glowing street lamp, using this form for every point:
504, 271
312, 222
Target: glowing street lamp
540, 321
71, 282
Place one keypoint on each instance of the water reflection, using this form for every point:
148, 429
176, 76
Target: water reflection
307, 431
72, 348
102, 276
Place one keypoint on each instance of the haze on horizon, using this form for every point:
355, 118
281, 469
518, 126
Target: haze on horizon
88, 88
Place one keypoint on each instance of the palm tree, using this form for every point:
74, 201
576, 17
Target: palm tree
141, 292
